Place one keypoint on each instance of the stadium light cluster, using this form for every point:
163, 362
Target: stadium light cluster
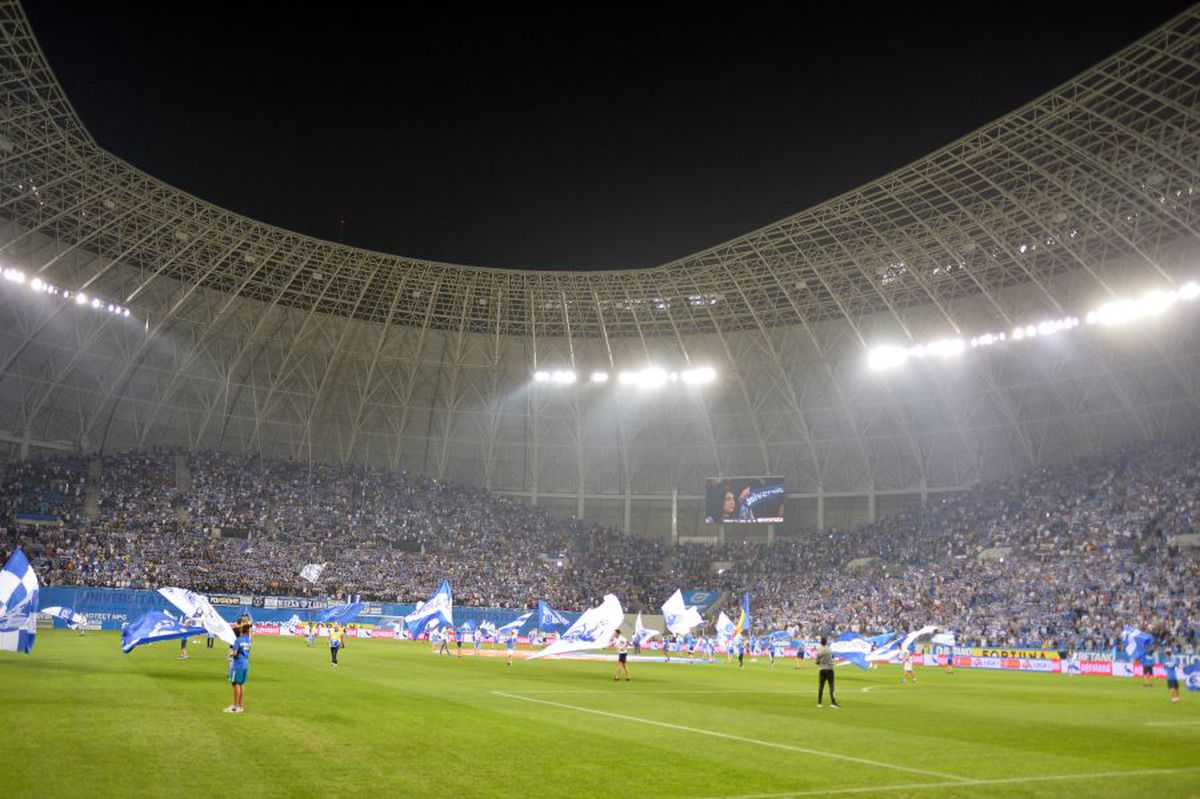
650, 377
1112, 314
39, 286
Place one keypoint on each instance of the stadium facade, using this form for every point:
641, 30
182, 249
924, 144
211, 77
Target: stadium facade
245, 337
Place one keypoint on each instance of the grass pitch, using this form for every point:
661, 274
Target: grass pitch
82, 719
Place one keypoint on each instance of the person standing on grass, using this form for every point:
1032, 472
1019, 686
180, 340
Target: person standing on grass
335, 643
510, 644
825, 673
1148, 668
907, 674
239, 667
1171, 666
622, 647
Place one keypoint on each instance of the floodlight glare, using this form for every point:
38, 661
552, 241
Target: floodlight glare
1189, 291
36, 284
946, 348
562, 377
599, 377
702, 374
81, 299
652, 377
541, 377
886, 357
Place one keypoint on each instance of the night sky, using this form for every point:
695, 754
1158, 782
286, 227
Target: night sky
575, 136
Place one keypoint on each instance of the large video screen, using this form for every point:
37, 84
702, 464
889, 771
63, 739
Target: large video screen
744, 500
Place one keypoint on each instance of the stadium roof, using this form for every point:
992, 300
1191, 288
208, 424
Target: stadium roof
255, 337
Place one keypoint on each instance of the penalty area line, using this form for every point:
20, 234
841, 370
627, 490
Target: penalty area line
1087, 775
956, 779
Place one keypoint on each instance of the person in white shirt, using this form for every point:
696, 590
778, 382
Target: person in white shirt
622, 647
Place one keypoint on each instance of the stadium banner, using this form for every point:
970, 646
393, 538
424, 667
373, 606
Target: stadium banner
231, 600
700, 598
1027, 654
744, 500
293, 603
1036, 664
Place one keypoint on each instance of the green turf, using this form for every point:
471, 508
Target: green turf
82, 719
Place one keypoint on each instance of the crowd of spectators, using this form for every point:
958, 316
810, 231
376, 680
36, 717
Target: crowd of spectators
1058, 557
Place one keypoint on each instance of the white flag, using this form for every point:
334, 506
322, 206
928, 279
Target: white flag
593, 630
680, 618
725, 627
643, 634
312, 572
195, 606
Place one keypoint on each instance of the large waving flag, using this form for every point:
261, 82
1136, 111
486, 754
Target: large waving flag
852, 648
725, 627
153, 627
680, 618
743, 622
593, 630
312, 572
18, 604
643, 634
515, 625
438, 610
1135, 642
549, 619
1191, 676
918, 636
195, 606
342, 614
74, 620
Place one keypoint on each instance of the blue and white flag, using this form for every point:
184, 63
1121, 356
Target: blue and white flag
18, 604
918, 637
1191, 676
74, 620
1134, 642
549, 619
592, 630
515, 625
642, 634
342, 614
943, 639
852, 648
680, 618
195, 606
438, 610
725, 627
153, 627
312, 572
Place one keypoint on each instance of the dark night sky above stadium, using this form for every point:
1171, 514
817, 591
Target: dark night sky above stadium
571, 136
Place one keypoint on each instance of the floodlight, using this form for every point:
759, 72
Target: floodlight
652, 377
1189, 291
541, 377
599, 377
886, 357
702, 374
946, 348
81, 299
562, 377
36, 284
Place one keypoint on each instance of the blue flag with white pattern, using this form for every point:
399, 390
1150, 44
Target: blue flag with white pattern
515, 625
153, 627
1134, 642
1191, 676
438, 610
550, 620
342, 614
18, 604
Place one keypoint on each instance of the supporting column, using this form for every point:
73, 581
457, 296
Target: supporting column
628, 510
820, 507
674, 517
770, 534
871, 505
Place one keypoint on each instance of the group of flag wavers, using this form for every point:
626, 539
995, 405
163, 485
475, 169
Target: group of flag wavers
596, 628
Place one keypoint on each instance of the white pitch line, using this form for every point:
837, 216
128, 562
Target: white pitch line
871, 688
1094, 775
1171, 723
729, 737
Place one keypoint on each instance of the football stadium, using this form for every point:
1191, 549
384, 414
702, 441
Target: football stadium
898, 495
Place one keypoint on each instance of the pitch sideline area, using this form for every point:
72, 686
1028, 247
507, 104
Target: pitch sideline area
84, 719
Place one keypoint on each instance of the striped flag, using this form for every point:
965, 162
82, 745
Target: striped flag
18, 604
